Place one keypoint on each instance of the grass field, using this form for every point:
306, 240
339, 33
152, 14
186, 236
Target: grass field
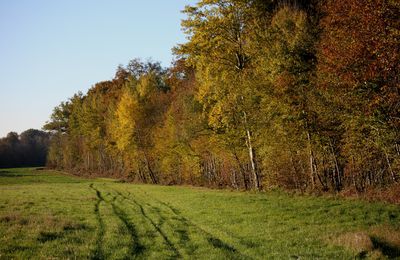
47, 214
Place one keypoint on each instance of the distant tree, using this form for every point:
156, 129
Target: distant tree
28, 149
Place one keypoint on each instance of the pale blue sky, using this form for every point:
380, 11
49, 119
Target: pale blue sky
51, 49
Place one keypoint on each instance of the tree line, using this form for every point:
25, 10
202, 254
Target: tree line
25, 150
296, 94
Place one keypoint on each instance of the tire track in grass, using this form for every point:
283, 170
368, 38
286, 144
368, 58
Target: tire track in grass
211, 239
98, 252
171, 246
136, 247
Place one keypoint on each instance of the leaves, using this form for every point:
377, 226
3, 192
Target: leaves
296, 94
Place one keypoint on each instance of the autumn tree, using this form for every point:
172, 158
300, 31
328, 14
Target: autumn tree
293, 94
218, 50
359, 70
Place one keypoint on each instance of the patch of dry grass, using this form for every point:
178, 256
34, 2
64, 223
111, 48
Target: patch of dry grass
358, 242
379, 242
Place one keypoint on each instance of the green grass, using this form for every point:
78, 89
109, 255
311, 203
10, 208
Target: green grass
47, 214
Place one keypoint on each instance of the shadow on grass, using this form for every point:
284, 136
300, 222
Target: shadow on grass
5, 173
98, 251
16, 248
218, 243
13, 174
69, 227
156, 226
232, 252
136, 247
386, 248
48, 236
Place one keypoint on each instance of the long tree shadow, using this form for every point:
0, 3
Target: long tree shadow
179, 228
156, 227
389, 250
229, 250
214, 241
136, 248
5, 173
98, 252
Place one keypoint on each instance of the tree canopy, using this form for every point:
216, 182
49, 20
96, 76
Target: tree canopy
295, 94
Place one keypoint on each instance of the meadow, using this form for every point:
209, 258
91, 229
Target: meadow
48, 214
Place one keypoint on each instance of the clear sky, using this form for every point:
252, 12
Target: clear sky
51, 49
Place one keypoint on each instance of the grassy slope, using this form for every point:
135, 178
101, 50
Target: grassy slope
47, 214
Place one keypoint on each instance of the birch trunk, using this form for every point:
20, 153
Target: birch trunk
390, 167
253, 164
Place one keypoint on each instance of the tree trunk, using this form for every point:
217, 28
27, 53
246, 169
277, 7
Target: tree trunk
252, 158
253, 164
295, 177
311, 154
151, 173
338, 182
233, 177
243, 171
390, 167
